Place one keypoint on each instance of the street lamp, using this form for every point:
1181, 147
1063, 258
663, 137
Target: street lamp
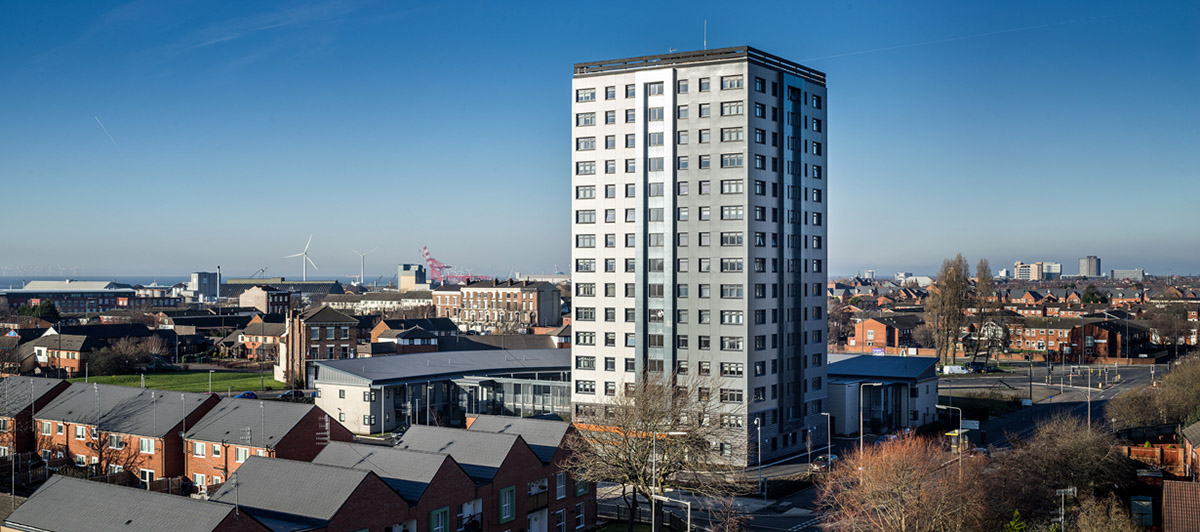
960, 438
862, 385
668, 499
758, 456
210, 372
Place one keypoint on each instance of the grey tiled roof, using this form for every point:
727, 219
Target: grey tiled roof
407, 471
324, 314
313, 492
479, 453
123, 409
268, 421
542, 435
17, 393
65, 504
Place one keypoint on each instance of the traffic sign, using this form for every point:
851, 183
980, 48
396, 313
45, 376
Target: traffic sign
972, 424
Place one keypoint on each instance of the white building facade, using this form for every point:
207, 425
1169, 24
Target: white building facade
699, 234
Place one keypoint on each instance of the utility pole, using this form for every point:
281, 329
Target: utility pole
1031, 388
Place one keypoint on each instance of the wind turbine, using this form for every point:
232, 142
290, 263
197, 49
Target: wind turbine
362, 273
305, 261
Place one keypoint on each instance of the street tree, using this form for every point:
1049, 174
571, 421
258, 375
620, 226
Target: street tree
665, 432
905, 485
944, 307
1063, 452
1103, 515
1174, 399
1170, 324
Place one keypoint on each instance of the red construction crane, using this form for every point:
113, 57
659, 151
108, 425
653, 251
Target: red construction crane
441, 271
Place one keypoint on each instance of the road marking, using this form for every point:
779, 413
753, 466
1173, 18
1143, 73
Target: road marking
804, 525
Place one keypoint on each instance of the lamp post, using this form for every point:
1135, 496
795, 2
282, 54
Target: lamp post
758, 456
862, 385
210, 372
654, 476
668, 499
960, 438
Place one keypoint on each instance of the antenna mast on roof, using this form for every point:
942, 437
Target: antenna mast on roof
705, 34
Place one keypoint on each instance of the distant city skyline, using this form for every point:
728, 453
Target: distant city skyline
155, 139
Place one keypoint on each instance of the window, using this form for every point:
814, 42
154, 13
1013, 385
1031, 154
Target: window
681, 86
681, 112
240, 454
216, 450
654, 114
728, 160
630, 90
610, 117
585, 168
610, 93
585, 119
508, 499
731, 317
731, 186
760, 85
654, 139
731, 291
681, 163
630, 116
115, 441
816, 125
585, 95
585, 192
730, 134
585, 387
610, 166
630, 365
654, 89
703, 84
585, 143
816, 101
585, 265
580, 516
439, 520
610, 191
732, 212
705, 110
731, 265
610, 216
198, 449
816, 195
80, 432
630, 215
654, 164
760, 162
731, 82
731, 238
731, 108
816, 148
146, 446
760, 110
585, 241
560, 486
730, 395
585, 338
585, 313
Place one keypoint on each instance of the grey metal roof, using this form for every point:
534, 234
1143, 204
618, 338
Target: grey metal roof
854, 367
17, 393
122, 409
65, 504
268, 421
325, 314
314, 492
542, 435
479, 453
407, 471
451, 364
496, 341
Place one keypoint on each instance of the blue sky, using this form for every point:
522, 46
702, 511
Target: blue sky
1015, 130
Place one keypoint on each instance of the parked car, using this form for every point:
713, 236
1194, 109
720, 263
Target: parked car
823, 462
246, 395
292, 395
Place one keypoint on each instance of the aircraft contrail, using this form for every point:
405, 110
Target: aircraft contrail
105, 130
951, 39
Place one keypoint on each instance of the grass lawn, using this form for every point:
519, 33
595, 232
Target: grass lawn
192, 381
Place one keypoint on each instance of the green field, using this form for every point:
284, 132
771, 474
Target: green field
193, 381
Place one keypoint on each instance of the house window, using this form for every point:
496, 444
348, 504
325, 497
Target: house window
198, 449
115, 441
80, 432
216, 450
560, 521
560, 485
146, 446
198, 479
580, 516
580, 487
439, 520
508, 498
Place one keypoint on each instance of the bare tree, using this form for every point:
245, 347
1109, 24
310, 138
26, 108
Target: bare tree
724, 516
906, 485
666, 432
944, 308
1170, 324
1103, 515
1176, 399
923, 335
839, 322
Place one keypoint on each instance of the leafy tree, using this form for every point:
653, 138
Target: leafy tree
44, 310
1016, 525
1092, 295
124, 356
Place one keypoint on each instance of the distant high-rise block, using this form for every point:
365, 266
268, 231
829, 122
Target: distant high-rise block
699, 234
1089, 266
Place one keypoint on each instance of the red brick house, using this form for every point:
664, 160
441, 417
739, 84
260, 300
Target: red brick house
887, 331
294, 495
19, 398
316, 334
236, 429
119, 428
1109, 339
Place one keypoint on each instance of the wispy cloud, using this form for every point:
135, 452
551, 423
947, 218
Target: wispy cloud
237, 28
